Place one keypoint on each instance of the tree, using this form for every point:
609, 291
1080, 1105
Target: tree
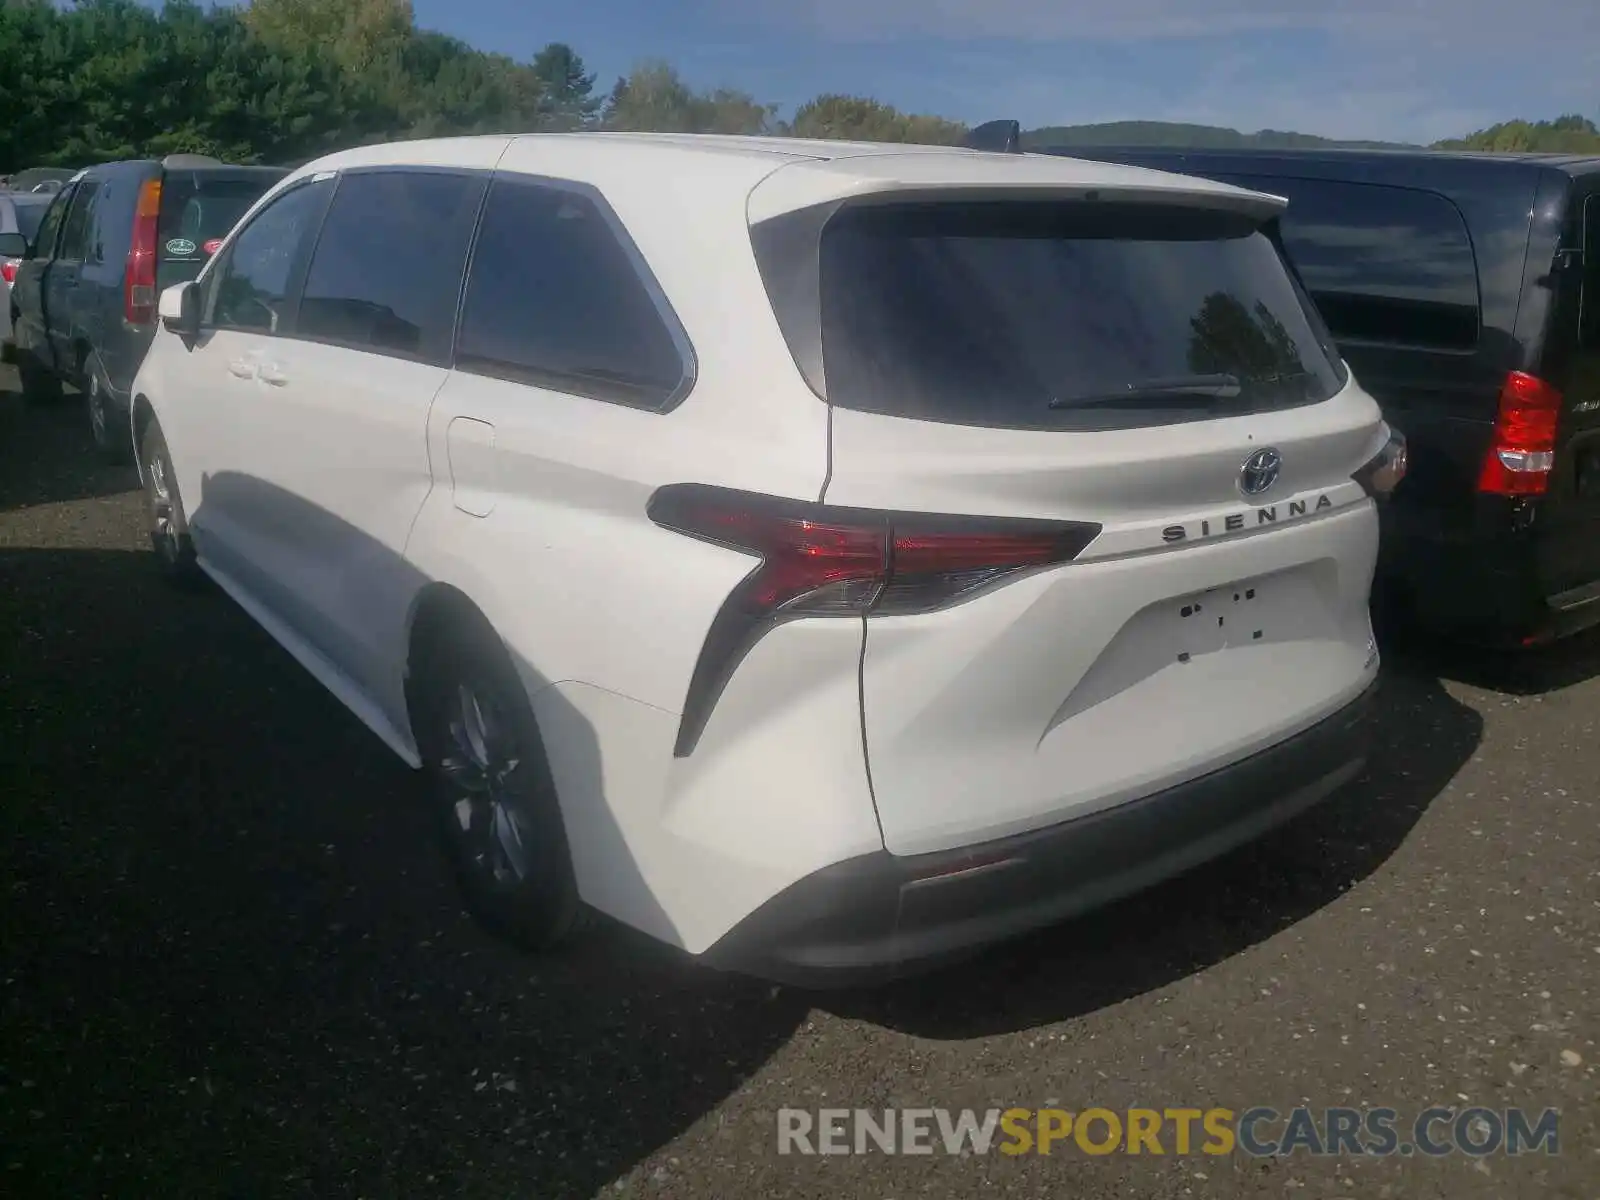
1569, 134
854, 118
653, 98
569, 102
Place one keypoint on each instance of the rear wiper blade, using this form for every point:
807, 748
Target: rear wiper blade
1213, 387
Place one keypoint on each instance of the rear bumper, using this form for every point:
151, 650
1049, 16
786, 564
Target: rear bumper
881, 915
1485, 592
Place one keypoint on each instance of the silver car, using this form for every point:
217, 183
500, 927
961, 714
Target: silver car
20, 212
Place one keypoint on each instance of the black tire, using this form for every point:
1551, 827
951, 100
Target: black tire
169, 524
497, 810
112, 441
39, 386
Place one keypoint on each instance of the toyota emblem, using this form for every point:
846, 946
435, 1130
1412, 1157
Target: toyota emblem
1260, 471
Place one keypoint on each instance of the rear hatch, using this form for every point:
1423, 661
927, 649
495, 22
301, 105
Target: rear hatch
198, 208
1142, 365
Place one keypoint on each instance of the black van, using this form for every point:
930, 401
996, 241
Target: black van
84, 299
1464, 292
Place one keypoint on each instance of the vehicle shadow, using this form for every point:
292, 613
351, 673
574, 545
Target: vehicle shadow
1532, 672
1423, 737
236, 959
46, 453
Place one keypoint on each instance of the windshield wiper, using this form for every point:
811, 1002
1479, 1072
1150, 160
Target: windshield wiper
1210, 387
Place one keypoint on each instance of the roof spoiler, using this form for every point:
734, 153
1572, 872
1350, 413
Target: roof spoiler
1003, 137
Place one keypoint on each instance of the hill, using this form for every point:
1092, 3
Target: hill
1166, 133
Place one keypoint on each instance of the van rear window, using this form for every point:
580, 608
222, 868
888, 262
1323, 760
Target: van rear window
196, 211
1062, 315
1384, 264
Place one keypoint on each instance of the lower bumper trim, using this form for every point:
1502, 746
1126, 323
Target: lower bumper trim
882, 915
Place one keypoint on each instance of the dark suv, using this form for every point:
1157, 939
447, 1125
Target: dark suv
1464, 292
84, 299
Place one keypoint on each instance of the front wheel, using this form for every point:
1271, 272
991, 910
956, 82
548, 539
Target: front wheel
169, 525
491, 788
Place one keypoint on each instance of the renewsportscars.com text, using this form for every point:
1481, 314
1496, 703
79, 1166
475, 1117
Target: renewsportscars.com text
1260, 1132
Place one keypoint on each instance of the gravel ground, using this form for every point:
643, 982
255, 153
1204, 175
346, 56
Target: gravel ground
234, 965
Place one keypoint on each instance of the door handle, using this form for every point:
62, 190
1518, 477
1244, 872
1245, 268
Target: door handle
242, 368
271, 373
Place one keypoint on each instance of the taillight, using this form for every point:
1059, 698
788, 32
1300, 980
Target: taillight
1381, 474
139, 278
1523, 452
824, 561
8, 270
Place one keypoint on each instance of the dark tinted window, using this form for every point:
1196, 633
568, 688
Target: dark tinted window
386, 275
50, 224
250, 289
75, 234
556, 300
1014, 313
1384, 264
1589, 336
197, 210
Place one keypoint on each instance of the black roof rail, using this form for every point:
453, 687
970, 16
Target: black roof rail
1004, 137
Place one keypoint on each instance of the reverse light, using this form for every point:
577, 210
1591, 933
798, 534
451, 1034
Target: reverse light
1523, 451
826, 561
1383, 472
139, 277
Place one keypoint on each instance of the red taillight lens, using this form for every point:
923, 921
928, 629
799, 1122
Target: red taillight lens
8, 270
212, 246
1522, 454
139, 278
820, 561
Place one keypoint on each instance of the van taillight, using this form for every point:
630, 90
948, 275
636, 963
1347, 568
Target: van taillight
139, 279
8, 270
1523, 451
825, 561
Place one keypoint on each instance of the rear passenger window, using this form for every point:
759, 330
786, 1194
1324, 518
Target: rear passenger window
555, 299
1589, 331
75, 235
50, 226
386, 274
1384, 264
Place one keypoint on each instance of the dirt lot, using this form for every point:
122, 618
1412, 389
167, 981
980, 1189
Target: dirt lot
234, 965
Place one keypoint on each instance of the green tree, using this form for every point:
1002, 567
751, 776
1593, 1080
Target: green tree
569, 100
855, 118
654, 98
1569, 134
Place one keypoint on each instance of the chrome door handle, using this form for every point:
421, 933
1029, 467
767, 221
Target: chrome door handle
243, 368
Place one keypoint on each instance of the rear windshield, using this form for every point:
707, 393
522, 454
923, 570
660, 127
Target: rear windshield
1057, 315
196, 212
29, 217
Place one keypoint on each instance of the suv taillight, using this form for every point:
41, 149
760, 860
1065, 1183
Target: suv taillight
1383, 472
1523, 451
139, 279
824, 561
8, 270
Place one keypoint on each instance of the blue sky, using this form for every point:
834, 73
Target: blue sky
1402, 69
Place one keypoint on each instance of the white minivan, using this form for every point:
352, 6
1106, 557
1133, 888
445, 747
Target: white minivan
828, 558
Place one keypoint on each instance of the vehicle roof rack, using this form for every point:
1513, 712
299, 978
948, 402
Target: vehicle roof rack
1003, 137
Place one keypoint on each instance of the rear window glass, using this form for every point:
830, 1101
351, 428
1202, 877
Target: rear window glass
1384, 264
29, 217
197, 212
1062, 315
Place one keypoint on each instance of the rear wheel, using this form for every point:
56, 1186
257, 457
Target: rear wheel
491, 788
111, 439
169, 525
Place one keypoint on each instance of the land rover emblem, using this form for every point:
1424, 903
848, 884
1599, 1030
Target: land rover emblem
1260, 471
181, 246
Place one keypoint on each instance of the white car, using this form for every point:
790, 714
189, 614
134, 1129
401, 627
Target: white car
828, 558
